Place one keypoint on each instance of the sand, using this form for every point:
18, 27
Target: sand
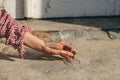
99, 60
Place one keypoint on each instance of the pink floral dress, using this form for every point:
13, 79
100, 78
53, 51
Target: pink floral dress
13, 31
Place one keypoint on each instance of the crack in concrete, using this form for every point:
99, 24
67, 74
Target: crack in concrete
110, 36
112, 33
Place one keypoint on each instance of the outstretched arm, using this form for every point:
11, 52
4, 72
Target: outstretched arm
39, 45
17, 36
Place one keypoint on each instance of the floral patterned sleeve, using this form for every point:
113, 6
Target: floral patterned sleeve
13, 31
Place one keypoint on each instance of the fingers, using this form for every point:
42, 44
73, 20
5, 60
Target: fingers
74, 51
67, 46
65, 50
70, 49
67, 55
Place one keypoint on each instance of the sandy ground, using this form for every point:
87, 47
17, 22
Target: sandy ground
99, 60
99, 56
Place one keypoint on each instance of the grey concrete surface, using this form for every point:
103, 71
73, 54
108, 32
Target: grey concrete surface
97, 41
99, 60
97, 27
74, 23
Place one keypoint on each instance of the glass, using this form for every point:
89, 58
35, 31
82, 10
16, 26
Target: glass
76, 38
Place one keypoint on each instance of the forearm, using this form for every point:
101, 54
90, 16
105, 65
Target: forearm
16, 35
57, 46
39, 45
33, 42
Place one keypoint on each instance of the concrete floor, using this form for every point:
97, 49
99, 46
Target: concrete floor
99, 52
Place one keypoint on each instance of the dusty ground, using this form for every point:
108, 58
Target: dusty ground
99, 60
99, 55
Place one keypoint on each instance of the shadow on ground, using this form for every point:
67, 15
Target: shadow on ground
30, 54
110, 23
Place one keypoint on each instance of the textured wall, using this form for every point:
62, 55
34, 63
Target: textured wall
73, 8
62, 8
14, 7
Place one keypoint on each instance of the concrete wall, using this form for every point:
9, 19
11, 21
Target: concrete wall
14, 7
33, 8
76, 8
62, 8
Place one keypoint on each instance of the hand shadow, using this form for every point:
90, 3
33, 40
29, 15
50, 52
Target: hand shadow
34, 55
5, 57
29, 54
